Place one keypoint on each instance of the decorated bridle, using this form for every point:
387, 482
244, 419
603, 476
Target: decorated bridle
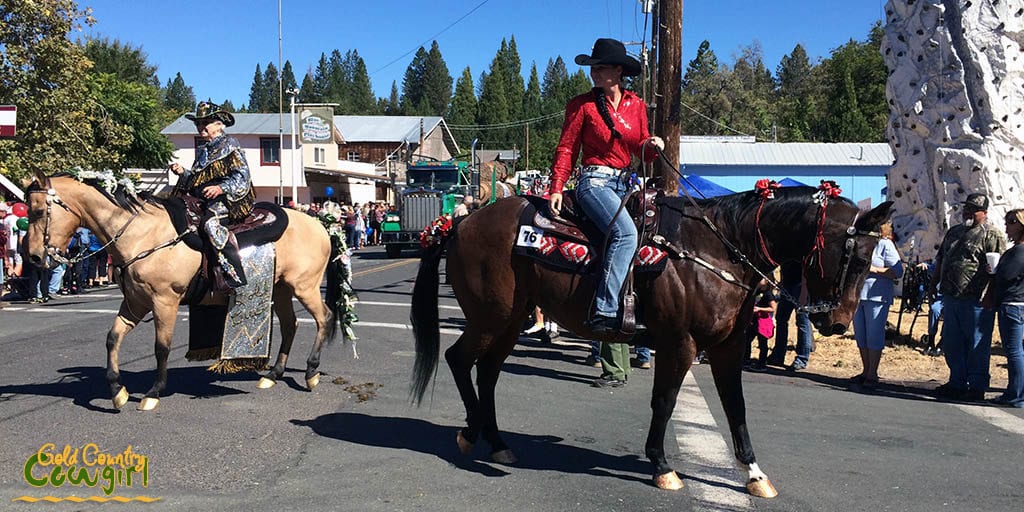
54, 253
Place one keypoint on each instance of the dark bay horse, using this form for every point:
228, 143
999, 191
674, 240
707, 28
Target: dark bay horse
156, 269
688, 307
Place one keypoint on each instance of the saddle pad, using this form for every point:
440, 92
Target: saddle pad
558, 252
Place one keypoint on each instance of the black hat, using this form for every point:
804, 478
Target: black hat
612, 53
207, 110
977, 202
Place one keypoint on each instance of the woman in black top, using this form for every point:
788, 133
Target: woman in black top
1008, 292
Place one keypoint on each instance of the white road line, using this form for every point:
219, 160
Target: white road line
995, 416
405, 304
708, 457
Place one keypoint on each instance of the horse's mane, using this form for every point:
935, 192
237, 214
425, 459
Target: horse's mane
120, 196
787, 208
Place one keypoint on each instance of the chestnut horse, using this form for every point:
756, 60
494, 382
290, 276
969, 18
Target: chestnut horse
690, 306
156, 268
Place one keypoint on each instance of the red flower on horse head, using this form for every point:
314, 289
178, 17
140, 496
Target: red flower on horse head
829, 188
766, 188
435, 231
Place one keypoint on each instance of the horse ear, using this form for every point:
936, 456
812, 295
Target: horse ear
876, 217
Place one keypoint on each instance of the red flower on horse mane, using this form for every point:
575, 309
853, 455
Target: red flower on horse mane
766, 188
435, 231
829, 188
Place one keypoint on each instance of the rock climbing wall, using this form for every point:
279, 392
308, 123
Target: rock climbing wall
956, 93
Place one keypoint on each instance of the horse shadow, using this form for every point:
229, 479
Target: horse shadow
86, 386
543, 453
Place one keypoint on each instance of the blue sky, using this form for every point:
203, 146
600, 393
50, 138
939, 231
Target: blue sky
216, 44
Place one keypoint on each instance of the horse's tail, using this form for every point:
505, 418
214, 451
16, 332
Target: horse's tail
334, 279
424, 319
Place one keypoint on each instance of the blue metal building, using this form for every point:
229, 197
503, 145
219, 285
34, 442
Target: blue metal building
737, 163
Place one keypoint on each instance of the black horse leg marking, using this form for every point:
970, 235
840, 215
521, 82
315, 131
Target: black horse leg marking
286, 317
460, 361
668, 378
162, 351
727, 369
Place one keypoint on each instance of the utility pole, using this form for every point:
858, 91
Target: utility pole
668, 37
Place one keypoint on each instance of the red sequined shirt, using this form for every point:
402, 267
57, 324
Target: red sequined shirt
584, 131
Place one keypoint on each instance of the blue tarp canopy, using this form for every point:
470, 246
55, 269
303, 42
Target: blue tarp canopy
702, 187
790, 182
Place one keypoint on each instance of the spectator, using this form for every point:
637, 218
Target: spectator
960, 277
873, 311
5, 235
792, 282
762, 325
934, 348
463, 208
1008, 293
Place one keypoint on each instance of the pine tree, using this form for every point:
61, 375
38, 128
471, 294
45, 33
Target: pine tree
553, 92
795, 102
514, 86
307, 93
178, 96
288, 78
321, 79
493, 108
271, 92
393, 106
256, 91
363, 101
463, 108
412, 84
336, 90
437, 82
702, 87
123, 60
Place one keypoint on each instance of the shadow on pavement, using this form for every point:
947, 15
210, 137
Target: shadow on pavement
542, 453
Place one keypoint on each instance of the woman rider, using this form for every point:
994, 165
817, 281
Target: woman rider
219, 177
608, 125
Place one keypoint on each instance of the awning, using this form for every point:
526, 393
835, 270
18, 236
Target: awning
11, 187
702, 187
348, 174
790, 182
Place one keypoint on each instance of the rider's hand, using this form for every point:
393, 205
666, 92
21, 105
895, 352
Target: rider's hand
656, 141
212, 191
555, 204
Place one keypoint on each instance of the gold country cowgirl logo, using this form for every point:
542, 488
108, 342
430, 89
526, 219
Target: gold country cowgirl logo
86, 467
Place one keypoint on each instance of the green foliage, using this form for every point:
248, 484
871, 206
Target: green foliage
126, 124
124, 61
463, 109
256, 91
41, 72
413, 86
178, 97
437, 82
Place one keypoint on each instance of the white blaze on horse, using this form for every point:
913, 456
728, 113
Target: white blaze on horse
154, 268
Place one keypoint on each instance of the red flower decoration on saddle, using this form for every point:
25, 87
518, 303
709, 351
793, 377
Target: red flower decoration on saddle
435, 231
766, 188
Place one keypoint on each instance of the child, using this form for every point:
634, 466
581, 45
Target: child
762, 325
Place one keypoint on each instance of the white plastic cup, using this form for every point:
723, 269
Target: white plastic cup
993, 259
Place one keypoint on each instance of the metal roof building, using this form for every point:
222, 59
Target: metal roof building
737, 163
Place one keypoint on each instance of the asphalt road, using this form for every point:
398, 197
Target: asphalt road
218, 443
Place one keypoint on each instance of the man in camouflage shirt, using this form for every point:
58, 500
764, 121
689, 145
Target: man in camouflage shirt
961, 275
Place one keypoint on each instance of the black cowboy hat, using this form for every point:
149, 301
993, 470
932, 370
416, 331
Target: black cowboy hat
977, 202
611, 53
208, 110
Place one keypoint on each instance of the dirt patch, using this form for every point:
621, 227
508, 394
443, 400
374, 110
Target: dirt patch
837, 356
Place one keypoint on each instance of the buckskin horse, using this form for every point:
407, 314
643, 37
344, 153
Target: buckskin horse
155, 269
690, 306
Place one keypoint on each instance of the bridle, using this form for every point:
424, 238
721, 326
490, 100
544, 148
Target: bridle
839, 283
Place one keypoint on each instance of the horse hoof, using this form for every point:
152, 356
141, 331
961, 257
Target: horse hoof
464, 446
504, 457
148, 404
121, 398
265, 383
313, 381
669, 481
761, 488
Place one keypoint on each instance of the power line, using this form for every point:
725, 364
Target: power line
509, 124
727, 127
452, 24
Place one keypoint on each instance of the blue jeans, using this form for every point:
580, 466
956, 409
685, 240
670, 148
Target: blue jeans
804, 336
57, 278
643, 354
934, 315
1011, 329
600, 195
967, 342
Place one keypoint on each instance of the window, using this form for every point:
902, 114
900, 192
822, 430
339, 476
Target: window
353, 156
320, 155
270, 151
